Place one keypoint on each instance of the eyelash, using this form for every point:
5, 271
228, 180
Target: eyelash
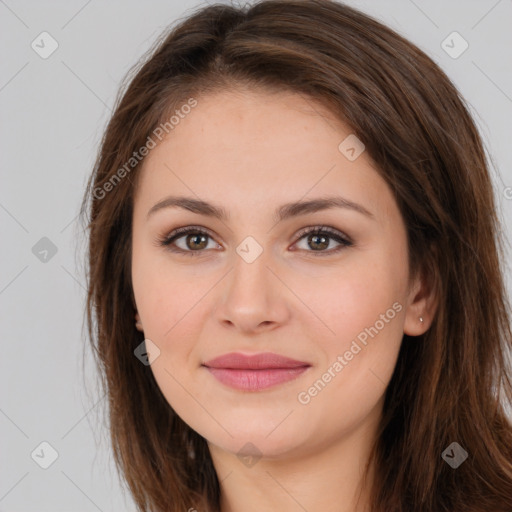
316, 230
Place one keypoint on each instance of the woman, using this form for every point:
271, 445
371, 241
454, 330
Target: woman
296, 294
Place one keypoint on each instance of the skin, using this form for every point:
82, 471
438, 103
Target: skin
250, 152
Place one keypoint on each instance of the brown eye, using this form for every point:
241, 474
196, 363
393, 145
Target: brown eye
196, 241
319, 239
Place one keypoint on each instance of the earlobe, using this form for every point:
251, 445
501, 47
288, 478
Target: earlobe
138, 323
422, 307
415, 326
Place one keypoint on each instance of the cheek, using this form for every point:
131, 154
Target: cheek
173, 304
359, 359
161, 290
362, 309
167, 304
345, 301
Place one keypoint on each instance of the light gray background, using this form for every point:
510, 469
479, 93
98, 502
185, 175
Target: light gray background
53, 113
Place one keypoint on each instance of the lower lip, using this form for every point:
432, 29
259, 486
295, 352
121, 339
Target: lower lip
255, 380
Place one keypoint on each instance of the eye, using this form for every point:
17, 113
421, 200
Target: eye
196, 239
319, 237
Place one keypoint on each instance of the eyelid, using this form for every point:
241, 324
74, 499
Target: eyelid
185, 230
168, 240
323, 229
339, 236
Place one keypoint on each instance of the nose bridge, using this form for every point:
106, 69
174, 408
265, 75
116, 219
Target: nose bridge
250, 272
252, 295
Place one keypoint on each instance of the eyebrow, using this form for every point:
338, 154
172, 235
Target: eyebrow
283, 212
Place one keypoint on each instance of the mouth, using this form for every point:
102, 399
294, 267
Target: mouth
255, 372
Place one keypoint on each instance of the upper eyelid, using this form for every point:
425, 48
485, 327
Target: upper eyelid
180, 232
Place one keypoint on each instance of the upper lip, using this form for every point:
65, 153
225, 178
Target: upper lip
264, 360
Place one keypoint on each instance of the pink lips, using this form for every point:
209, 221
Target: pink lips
256, 372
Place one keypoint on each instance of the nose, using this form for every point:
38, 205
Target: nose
253, 298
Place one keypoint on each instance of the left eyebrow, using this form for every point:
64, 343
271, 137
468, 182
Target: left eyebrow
283, 212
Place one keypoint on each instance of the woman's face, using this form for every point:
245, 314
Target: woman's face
337, 302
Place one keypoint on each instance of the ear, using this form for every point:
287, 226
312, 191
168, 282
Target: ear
138, 323
422, 303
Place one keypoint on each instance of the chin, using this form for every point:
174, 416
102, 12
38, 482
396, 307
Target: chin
256, 439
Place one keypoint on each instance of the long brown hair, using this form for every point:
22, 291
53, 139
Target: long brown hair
451, 384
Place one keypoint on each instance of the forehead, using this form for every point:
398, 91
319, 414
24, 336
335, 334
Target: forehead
252, 146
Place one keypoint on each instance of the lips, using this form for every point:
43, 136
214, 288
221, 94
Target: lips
255, 372
263, 361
